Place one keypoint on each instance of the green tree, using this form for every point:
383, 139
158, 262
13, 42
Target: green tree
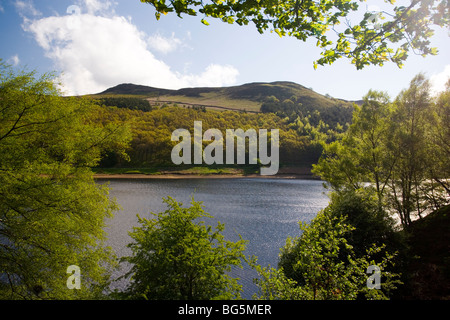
322, 264
362, 155
369, 132
387, 35
411, 133
440, 140
51, 210
176, 256
399, 148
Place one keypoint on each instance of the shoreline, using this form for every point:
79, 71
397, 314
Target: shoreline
106, 176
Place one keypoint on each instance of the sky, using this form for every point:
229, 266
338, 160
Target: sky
93, 45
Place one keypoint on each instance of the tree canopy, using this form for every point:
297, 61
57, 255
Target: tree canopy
151, 132
176, 256
51, 210
329, 261
379, 36
399, 147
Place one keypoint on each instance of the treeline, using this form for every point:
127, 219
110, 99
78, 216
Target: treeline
132, 103
334, 115
151, 143
400, 146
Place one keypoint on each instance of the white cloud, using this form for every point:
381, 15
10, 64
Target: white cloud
164, 45
214, 76
14, 60
26, 8
97, 6
439, 80
97, 49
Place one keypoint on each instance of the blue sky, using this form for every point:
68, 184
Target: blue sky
96, 44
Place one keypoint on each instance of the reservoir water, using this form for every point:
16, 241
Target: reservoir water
263, 211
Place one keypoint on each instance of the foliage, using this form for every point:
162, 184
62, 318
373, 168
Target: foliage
439, 138
273, 284
413, 108
372, 224
378, 37
323, 265
132, 103
311, 118
359, 152
51, 211
398, 147
313, 112
176, 256
151, 144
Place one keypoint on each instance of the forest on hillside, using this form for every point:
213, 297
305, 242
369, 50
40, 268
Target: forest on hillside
300, 129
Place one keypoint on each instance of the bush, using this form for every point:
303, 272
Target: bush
176, 256
330, 259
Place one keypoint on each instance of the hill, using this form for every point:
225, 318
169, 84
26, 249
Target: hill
298, 112
248, 97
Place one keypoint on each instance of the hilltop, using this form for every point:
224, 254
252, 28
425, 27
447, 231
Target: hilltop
248, 97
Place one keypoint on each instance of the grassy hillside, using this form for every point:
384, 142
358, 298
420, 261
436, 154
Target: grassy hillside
248, 97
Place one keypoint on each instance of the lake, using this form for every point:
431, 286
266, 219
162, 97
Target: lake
264, 211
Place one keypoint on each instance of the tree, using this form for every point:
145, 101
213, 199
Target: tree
51, 210
362, 155
385, 35
399, 148
324, 263
440, 140
410, 176
369, 128
176, 256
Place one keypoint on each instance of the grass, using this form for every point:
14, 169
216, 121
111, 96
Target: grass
209, 100
195, 170
240, 170
247, 97
126, 170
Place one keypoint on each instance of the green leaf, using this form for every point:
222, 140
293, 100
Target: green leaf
410, 27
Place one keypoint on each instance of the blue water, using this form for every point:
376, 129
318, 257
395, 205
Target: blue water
263, 211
